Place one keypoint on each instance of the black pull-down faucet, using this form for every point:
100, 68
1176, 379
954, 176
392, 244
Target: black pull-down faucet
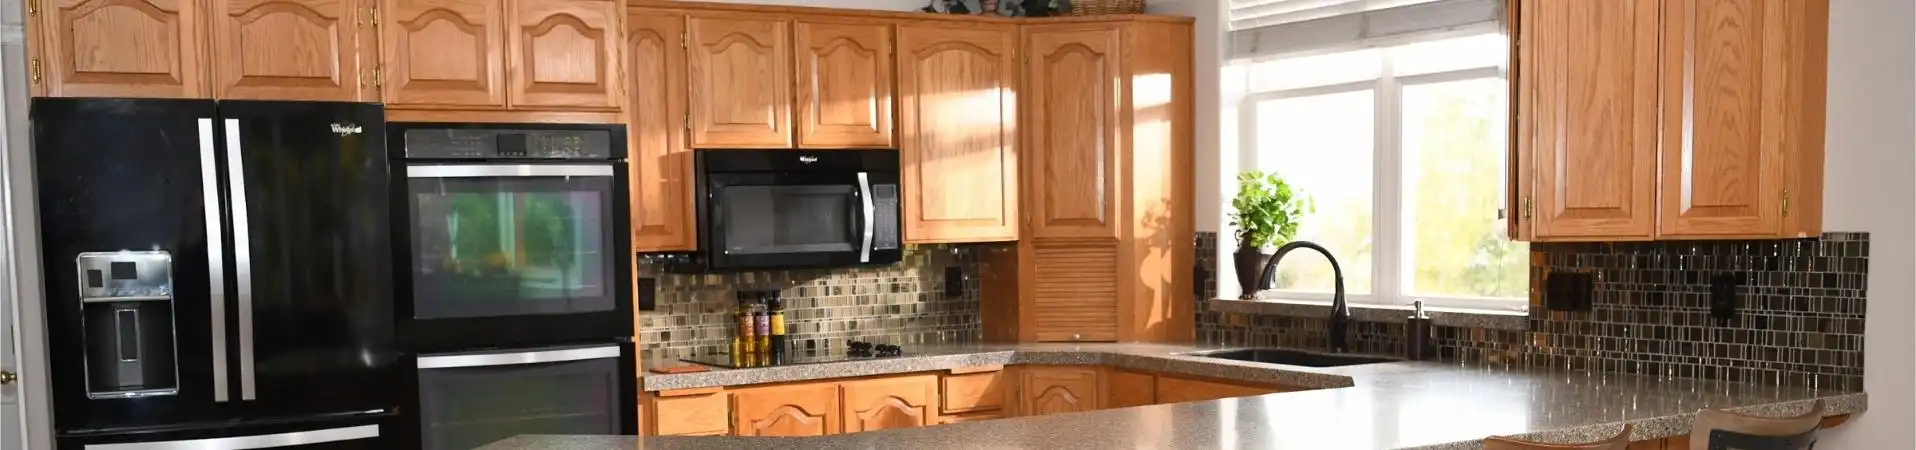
1340, 312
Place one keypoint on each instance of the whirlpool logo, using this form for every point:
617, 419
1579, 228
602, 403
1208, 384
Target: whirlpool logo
347, 129
807, 159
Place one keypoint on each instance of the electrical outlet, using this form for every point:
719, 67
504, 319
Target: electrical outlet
954, 282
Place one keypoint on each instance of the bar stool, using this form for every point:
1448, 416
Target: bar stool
1724, 430
1619, 442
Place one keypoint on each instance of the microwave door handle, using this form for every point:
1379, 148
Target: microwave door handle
865, 201
215, 256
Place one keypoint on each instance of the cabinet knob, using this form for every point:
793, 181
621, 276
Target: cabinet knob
1077, 337
7, 377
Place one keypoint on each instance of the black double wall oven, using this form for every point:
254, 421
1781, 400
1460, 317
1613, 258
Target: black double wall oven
516, 300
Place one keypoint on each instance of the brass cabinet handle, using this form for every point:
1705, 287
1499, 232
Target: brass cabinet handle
8, 377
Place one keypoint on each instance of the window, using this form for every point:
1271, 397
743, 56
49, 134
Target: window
1402, 148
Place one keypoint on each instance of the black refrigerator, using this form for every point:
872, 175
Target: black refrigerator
218, 274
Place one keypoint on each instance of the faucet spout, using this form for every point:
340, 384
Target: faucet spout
1340, 318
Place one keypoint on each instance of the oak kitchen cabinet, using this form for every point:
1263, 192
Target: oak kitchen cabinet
810, 409
888, 403
1059, 389
1105, 189
958, 137
227, 49
844, 80
741, 80
1670, 119
660, 163
1178, 390
1129, 389
976, 394
541, 55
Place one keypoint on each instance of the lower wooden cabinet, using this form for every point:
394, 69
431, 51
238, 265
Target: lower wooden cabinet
792, 410
977, 392
962, 418
706, 413
1131, 389
1179, 390
1059, 389
887, 403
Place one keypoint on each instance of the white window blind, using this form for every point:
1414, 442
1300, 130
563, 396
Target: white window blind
1262, 28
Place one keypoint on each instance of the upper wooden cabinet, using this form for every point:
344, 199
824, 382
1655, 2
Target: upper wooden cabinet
740, 69
1743, 117
1670, 119
444, 53
793, 410
319, 50
844, 82
1590, 103
660, 165
126, 48
958, 133
1059, 389
888, 403
564, 54
1073, 95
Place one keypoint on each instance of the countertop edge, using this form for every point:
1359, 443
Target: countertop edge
1163, 363
1660, 427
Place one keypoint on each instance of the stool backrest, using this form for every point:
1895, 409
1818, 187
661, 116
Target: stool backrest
1724, 430
1621, 441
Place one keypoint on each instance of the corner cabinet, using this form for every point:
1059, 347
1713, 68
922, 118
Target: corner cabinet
1106, 186
660, 163
958, 142
1670, 119
740, 81
793, 410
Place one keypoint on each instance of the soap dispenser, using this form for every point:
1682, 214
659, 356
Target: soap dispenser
1419, 344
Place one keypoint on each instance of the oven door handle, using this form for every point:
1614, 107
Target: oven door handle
518, 358
865, 199
509, 170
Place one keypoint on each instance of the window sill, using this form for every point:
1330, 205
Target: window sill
1448, 317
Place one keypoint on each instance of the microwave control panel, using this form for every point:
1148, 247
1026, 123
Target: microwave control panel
500, 143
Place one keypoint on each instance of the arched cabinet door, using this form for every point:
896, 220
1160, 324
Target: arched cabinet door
120, 48
795, 410
1073, 95
316, 50
957, 132
887, 403
741, 81
444, 53
844, 83
564, 54
1057, 390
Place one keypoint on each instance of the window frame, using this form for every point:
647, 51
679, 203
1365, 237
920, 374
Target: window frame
1390, 270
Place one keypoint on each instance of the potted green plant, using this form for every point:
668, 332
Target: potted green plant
1265, 212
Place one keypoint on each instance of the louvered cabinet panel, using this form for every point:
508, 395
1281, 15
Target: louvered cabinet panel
1075, 290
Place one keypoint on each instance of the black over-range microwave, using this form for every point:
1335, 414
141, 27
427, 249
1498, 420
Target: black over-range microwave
761, 209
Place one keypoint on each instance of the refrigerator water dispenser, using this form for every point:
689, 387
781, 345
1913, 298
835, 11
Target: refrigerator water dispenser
126, 301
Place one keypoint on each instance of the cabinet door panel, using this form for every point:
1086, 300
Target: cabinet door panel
1057, 390
794, 410
660, 165
974, 392
290, 49
887, 403
1074, 94
844, 84
1590, 128
564, 54
741, 85
696, 415
1723, 111
122, 48
1132, 389
1179, 390
444, 53
958, 133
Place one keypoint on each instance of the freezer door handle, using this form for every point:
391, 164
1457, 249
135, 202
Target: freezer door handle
215, 256
242, 255
297, 438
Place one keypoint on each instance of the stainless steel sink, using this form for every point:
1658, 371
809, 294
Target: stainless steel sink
1294, 357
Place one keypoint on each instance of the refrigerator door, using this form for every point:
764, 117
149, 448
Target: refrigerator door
131, 237
312, 258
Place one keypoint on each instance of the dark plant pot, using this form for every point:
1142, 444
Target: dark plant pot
1250, 264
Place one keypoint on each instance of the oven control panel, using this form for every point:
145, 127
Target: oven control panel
506, 143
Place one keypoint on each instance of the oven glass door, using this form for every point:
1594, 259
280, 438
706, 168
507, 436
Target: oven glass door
797, 219
513, 240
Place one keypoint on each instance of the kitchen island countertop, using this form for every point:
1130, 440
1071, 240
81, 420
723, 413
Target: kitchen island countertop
1398, 405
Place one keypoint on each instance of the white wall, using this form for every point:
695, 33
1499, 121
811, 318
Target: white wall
1869, 187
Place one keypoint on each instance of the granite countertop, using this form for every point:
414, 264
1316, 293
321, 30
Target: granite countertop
1400, 405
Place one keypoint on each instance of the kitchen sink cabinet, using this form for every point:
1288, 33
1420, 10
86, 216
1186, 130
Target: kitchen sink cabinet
1669, 119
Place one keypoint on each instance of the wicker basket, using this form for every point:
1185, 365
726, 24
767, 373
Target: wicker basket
1103, 7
